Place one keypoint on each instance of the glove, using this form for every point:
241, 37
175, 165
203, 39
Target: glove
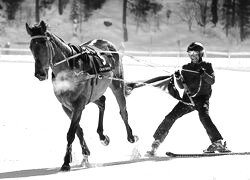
202, 71
177, 74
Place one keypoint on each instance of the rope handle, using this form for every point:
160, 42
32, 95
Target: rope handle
187, 91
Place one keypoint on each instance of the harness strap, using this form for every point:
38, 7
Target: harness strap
40, 36
199, 88
69, 58
95, 77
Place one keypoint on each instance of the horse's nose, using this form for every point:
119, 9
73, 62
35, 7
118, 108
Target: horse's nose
41, 76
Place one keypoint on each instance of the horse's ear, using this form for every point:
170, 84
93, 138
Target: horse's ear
28, 29
43, 26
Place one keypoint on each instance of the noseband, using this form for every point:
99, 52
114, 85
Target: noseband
49, 45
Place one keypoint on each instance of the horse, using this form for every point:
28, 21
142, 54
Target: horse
80, 75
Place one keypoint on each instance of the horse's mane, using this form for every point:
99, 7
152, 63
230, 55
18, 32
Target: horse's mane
59, 38
59, 42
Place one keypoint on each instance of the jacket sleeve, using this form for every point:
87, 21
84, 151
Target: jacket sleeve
208, 75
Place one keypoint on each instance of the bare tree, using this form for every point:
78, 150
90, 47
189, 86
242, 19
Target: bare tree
37, 11
124, 21
244, 18
142, 10
233, 20
187, 12
61, 5
202, 16
202, 12
214, 9
227, 4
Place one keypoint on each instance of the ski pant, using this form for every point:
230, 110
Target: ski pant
202, 106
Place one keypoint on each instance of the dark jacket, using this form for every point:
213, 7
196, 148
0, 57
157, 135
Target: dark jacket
196, 83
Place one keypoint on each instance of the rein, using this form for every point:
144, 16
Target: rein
52, 54
67, 59
51, 51
99, 76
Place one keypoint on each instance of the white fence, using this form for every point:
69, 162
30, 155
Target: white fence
226, 60
6, 51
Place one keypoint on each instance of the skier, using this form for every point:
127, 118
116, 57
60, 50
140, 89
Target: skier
196, 79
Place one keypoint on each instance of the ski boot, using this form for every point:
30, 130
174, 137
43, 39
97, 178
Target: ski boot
218, 146
154, 146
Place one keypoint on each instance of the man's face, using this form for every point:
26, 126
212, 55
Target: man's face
194, 56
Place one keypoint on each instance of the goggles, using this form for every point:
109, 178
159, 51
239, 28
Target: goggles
193, 53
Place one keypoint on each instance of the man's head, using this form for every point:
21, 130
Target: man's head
195, 51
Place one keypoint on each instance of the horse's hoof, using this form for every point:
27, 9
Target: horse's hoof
134, 139
85, 150
65, 168
106, 141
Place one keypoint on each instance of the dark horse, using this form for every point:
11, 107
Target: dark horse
80, 75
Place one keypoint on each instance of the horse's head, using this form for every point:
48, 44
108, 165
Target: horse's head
40, 48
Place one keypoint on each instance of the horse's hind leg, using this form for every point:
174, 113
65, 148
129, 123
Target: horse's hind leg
118, 90
79, 132
101, 105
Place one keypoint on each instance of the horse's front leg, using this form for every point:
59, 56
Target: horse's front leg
79, 132
85, 149
74, 126
101, 105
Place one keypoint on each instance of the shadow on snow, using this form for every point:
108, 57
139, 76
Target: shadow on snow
49, 171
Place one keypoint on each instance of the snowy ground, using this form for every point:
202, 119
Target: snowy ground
33, 130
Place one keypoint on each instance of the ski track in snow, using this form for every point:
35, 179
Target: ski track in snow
33, 130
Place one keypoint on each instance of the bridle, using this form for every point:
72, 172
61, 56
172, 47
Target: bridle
52, 52
49, 45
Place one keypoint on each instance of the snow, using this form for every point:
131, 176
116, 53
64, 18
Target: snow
33, 130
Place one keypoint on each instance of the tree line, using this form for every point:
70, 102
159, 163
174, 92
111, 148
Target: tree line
230, 14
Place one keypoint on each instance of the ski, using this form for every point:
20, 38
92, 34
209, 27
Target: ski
193, 155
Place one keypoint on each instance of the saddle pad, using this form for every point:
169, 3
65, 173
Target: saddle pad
102, 63
101, 60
